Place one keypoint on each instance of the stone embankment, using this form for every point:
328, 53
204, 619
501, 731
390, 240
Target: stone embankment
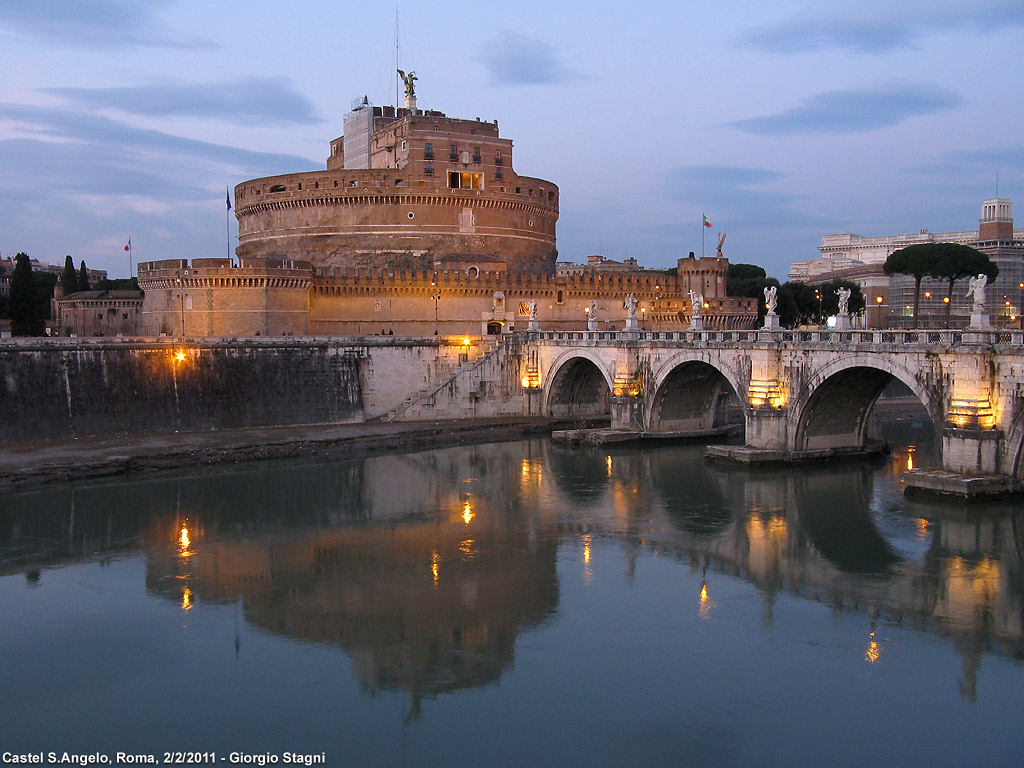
27, 465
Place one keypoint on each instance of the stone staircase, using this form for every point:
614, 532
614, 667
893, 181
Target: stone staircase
474, 359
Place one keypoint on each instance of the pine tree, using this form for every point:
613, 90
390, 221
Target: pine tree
83, 278
69, 277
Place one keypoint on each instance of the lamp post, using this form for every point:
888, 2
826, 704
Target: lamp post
436, 296
181, 297
643, 318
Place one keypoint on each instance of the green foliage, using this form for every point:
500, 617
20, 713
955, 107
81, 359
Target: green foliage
797, 304
830, 299
69, 277
25, 320
746, 271
117, 284
953, 262
83, 278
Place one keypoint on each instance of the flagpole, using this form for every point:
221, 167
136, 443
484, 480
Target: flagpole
702, 228
227, 225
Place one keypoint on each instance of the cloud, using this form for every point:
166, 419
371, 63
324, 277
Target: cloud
512, 58
73, 180
734, 193
266, 100
884, 27
854, 111
860, 36
140, 145
94, 24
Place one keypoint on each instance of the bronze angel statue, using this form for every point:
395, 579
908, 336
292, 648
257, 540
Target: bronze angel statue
410, 82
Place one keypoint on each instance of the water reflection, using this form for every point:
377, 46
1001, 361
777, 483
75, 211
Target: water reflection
426, 569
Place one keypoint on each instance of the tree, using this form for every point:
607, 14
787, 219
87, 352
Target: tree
830, 299
917, 260
69, 277
749, 280
955, 262
797, 304
83, 278
25, 320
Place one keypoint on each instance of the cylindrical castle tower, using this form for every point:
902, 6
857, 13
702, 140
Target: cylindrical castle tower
405, 189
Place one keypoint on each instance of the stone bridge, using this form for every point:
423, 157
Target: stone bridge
803, 394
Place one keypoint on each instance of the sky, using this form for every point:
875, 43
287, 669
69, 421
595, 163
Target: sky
781, 122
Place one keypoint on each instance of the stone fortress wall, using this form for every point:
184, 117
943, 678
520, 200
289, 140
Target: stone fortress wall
279, 298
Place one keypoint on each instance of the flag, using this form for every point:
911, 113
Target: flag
227, 198
129, 246
706, 222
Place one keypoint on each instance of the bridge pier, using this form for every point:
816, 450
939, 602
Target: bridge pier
628, 413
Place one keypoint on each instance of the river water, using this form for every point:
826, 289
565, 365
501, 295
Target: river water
515, 604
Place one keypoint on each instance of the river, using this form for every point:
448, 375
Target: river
515, 604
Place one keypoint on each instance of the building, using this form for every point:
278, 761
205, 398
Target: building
98, 313
418, 225
405, 189
891, 300
7, 267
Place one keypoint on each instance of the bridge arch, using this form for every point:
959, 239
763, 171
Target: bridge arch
690, 394
832, 410
578, 384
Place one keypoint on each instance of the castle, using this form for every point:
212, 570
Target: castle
418, 225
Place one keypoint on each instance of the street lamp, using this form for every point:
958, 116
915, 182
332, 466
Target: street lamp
436, 296
181, 296
643, 318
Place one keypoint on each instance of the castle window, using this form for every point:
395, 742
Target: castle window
405, 145
428, 169
428, 151
560, 297
453, 152
437, 128
498, 158
278, 188
465, 180
300, 186
476, 154
499, 174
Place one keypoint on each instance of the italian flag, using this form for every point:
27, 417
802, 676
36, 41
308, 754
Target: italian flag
706, 222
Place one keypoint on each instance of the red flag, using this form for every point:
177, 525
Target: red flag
706, 222
129, 246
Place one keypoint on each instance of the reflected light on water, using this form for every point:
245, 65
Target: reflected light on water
608, 463
435, 562
184, 538
186, 600
467, 512
873, 651
705, 600
588, 573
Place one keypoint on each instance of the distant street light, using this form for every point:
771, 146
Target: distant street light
181, 296
436, 296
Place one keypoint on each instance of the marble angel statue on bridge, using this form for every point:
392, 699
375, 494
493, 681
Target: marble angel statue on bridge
976, 287
630, 304
844, 299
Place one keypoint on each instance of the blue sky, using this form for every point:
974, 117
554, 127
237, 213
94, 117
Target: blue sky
780, 121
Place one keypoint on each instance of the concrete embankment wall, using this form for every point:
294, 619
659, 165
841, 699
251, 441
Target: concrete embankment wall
60, 388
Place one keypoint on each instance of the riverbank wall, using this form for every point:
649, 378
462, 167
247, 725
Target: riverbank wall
66, 388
